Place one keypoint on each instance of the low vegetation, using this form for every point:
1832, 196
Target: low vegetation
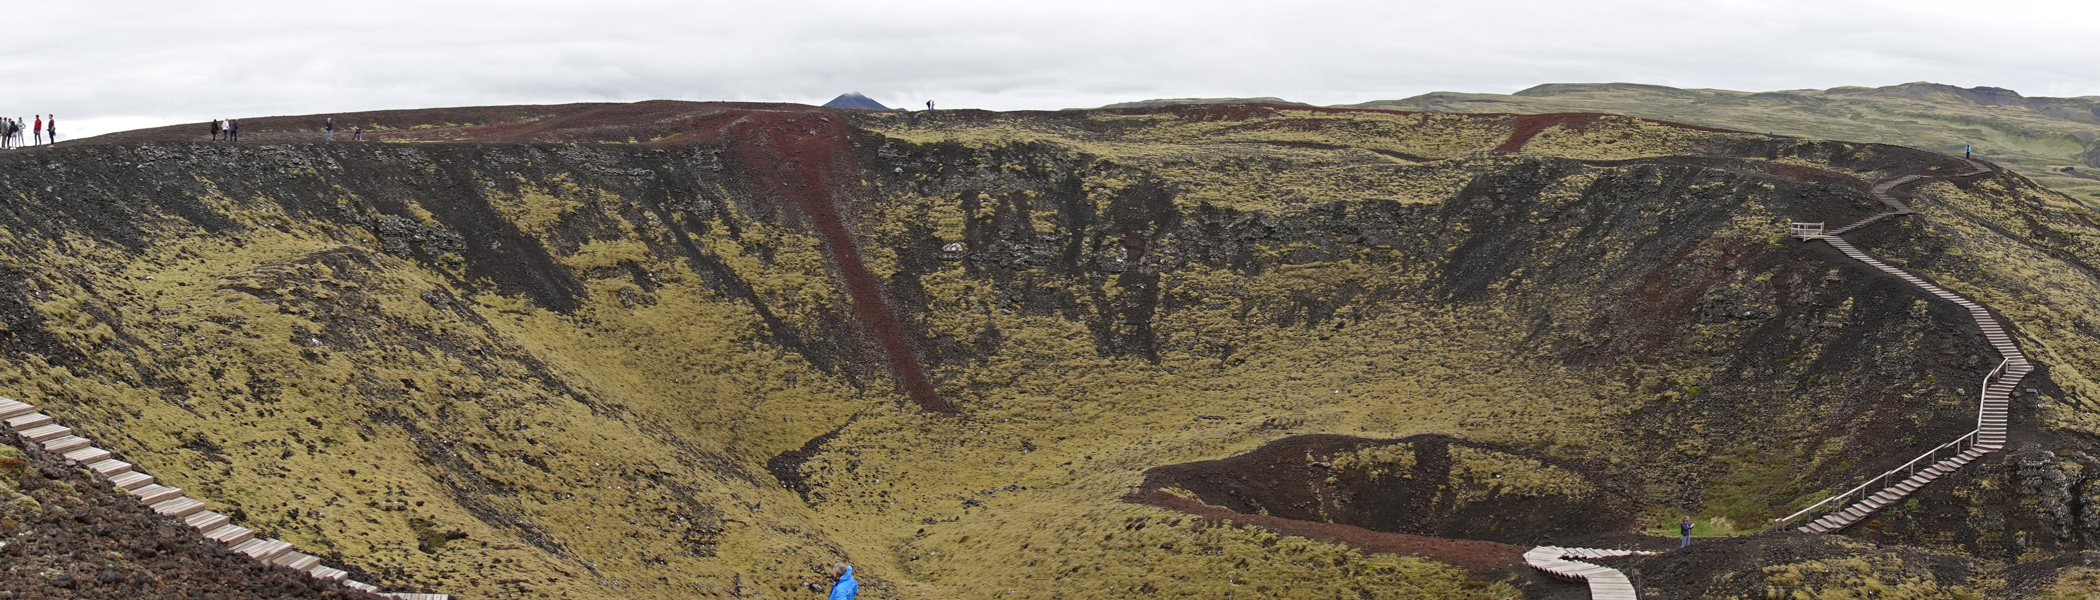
627, 370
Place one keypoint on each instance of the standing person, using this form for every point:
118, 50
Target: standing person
357, 133
39, 131
214, 130
843, 586
233, 130
328, 130
1684, 528
929, 105
51, 128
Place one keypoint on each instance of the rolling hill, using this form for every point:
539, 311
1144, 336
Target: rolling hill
2054, 141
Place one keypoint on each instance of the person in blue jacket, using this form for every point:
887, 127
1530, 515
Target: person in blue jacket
844, 587
1685, 527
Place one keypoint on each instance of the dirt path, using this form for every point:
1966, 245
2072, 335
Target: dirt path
1480, 558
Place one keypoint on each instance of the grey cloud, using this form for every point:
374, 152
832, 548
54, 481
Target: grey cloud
123, 59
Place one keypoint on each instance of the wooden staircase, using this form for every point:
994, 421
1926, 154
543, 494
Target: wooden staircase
40, 429
1888, 488
1994, 401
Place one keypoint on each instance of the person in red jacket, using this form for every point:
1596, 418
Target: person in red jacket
39, 131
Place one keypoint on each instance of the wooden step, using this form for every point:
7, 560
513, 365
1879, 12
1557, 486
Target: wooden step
46, 432
205, 520
263, 549
19, 423
87, 455
11, 408
110, 467
231, 535
327, 573
152, 494
66, 444
297, 561
130, 480
304, 564
360, 586
179, 507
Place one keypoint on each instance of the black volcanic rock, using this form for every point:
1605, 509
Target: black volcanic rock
855, 101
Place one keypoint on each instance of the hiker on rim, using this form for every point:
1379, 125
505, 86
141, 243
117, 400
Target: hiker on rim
233, 130
328, 130
929, 105
1684, 528
214, 130
39, 130
51, 128
843, 586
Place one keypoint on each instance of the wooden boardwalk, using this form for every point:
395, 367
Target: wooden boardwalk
170, 502
1994, 402
1606, 583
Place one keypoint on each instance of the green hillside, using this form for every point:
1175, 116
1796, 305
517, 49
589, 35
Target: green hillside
667, 350
2050, 140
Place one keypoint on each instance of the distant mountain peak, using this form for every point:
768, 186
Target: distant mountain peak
855, 100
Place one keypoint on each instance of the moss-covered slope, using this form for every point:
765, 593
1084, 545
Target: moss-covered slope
640, 370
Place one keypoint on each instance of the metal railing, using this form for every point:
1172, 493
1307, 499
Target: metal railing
1908, 469
1983, 395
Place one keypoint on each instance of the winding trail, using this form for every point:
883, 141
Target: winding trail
1849, 508
1994, 402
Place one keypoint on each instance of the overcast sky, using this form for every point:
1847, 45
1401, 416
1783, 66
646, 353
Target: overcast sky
111, 65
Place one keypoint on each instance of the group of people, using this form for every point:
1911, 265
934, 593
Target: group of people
226, 130
230, 130
42, 130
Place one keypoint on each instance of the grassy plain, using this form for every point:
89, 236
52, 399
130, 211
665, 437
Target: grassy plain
2037, 137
